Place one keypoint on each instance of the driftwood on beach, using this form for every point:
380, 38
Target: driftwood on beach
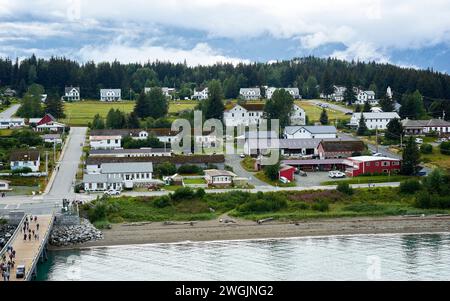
265, 220
170, 223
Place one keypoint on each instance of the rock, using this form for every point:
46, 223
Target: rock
69, 235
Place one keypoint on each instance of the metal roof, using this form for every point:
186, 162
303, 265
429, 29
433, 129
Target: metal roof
130, 167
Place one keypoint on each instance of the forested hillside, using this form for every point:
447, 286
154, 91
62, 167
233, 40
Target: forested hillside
306, 73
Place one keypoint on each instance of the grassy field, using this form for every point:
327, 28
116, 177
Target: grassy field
81, 113
288, 206
436, 159
248, 163
313, 112
194, 181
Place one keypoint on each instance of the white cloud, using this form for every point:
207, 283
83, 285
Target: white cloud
382, 24
362, 52
201, 54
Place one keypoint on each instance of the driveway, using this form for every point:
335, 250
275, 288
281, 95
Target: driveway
332, 106
314, 179
9, 112
64, 180
235, 162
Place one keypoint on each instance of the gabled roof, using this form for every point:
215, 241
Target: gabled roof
194, 159
343, 146
69, 89
218, 173
371, 159
107, 168
379, 115
26, 155
316, 129
425, 123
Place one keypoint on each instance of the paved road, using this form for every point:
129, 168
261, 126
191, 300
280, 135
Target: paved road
64, 180
235, 162
332, 106
9, 112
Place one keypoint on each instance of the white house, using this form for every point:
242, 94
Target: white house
22, 159
298, 116
244, 114
51, 126
71, 94
422, 127
11, 123
200, 95
293, 91
119, 175
105, 142
338, 94
216, 177
110, 94
167, 92
250, 93
366, 96
374, 120
310, 132
4, 185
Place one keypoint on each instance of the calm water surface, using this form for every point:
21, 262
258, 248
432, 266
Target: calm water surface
362, 257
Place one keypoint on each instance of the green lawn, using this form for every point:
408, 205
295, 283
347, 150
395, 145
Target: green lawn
262, 176
194, 181
248, 163
369, 179
436, 159
81, 113
313, 112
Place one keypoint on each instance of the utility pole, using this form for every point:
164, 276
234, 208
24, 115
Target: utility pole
443, 114
46, 164
376, 136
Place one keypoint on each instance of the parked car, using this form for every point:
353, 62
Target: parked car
336, 174
2, 243
348, 113
302, 173
378, 155
242, 155
112, 192
440, 140
419, 140
284, 180
20, 271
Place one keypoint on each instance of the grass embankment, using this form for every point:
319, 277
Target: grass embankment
436, 159
248, 163
313, 112
82, 112
369, 179
186, 205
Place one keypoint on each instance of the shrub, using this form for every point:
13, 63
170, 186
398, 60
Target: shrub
270, 202
162, 202
321, 206
445, 148
301, 205
183, 193
410, 186
200, 193
425, 200
23, 170
345, 188
189, 169
166, 169
426, 148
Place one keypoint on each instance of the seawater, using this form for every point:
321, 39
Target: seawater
357, 257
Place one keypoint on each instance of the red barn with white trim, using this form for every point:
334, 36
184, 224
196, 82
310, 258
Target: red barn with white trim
287, 172
371, 164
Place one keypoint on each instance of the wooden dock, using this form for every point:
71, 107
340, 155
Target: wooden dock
29, 251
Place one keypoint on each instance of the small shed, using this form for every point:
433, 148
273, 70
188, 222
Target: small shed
288, 172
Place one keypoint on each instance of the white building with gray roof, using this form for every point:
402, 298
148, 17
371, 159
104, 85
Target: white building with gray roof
110, 94
310, 132
118, 176
250, 93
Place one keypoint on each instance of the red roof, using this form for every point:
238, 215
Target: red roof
46, 119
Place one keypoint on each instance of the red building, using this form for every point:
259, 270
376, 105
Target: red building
340, 149
288, 172
46, 119
370, 165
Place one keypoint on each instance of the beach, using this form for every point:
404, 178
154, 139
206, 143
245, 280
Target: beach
215, 230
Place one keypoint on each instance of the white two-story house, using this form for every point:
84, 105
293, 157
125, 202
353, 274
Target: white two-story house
250, 93
244, 114
71, 94
23, 159
295, 93
366, 96
200, 95
298, 115
374, 120
110, 94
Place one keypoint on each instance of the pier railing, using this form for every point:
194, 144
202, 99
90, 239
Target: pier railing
11, 239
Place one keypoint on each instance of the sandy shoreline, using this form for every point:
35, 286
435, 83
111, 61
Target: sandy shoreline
157, 232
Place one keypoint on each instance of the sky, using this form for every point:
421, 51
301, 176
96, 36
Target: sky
408, 33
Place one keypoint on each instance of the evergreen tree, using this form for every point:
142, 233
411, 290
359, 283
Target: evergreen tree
386, 104
327, 83
357, 108
230, 87
394, 130
31, 103
413, 106
349, 95
362, 127
54, 106
158, 105
310, 88
98, 123
115, 119
279, 107
410, 158
214, 104
142, 107
272, 171
324, 117
133, 121
366, 107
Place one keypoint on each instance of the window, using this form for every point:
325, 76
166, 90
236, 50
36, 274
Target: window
367, 163
385, 163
